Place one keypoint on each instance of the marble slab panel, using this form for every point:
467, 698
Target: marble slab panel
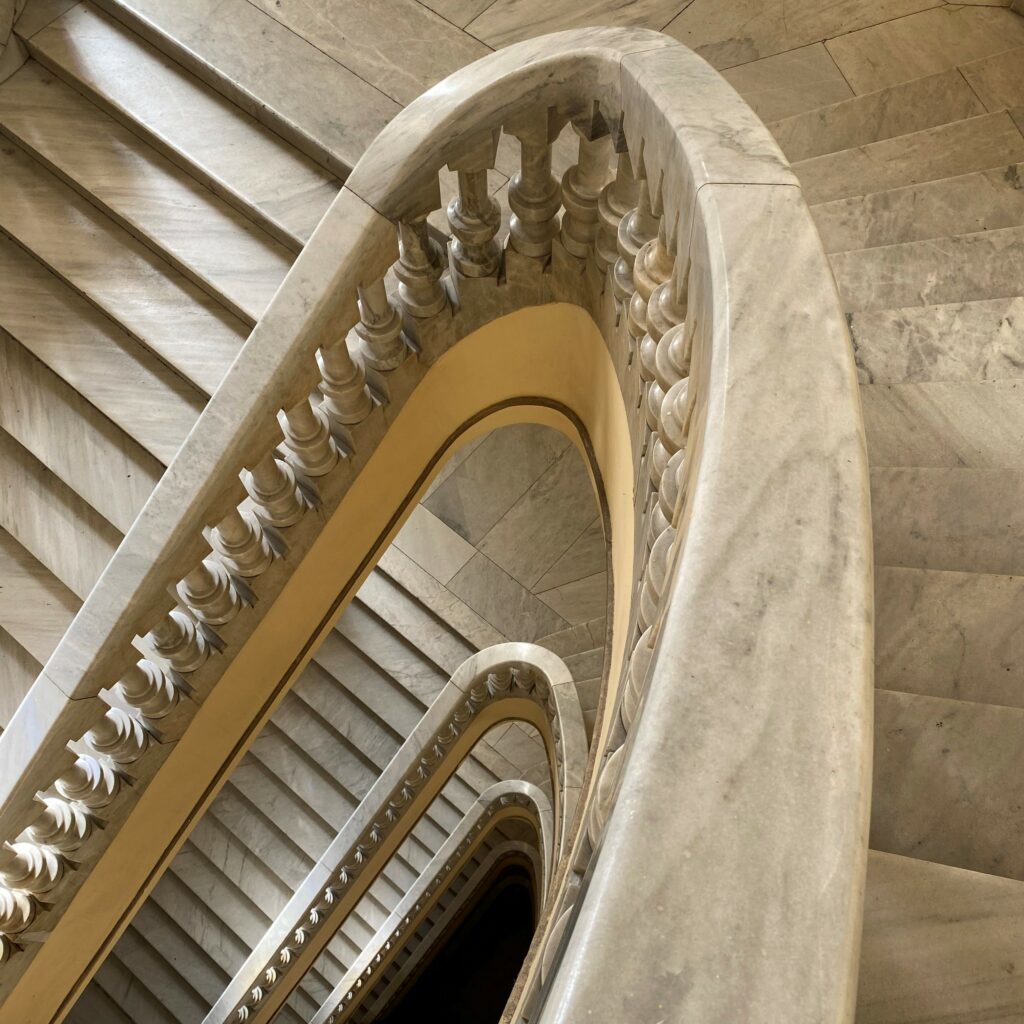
898, 110
400, 48
790, 83
39, 13
183, 325
94, 355
509, 21
458, 12
35, 607
229, 150
587, 555
579, 601
978, 425
940, 945
947, 782
923, 43
494, 477
998, 79
975, 144
433, 545
950, 634
544, 523
982, 201
984, 265
727, 34
968, 520
502, 601
967, 341
204, 237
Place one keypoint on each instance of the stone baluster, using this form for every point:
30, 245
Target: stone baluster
177, 639
654, 578
17, 911
604, 795
209, 593
617, 199
241, 542
636, 677
636, 229
381, 342
89, 782
148, 689
307, 433
343, 385
474, 215
534, 195
653, 267
421, 264
581, 191
119, 737
271, 484
63, 825
30, 868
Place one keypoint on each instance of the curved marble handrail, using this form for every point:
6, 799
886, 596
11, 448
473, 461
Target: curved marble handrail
502, 683
436, 876
750, 618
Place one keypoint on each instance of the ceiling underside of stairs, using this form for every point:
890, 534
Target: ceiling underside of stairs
164, 160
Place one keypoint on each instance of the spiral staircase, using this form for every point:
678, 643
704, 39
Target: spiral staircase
208, 744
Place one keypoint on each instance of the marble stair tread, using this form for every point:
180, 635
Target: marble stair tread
979, 201
94, 1006
973, 425
18, 671
998, 79
35, 607
246, 164
148, 965
973, 144
981, 265
128, 281
93, 456
939, 944
897, 110
222, 251
94, 355
49, 520
130, 994
961, 341
965, 520
949, 782
950, 634
324, 108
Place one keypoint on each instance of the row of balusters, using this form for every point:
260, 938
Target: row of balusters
614, 224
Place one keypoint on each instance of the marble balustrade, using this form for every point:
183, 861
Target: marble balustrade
749, 634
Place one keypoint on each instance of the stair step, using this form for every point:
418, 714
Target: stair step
94, 1006
983, 265
72, 439
948, 782
974, 144
980, 201
950, 634
18, 671
247, 165
220, 250
94, 355
47, 518
998, 79
939, 944
960, 341
966, 520
897, 110
976, 425
186, 328
130, 994
161, 980
301, 93
35, 607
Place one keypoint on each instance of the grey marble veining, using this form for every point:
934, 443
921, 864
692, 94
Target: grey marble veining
967, 520
963, 341
950, 634
581, 600
898, 110
976, 425
947, 782
982, 265
997, 79
980, 201
587, 555
433, 545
